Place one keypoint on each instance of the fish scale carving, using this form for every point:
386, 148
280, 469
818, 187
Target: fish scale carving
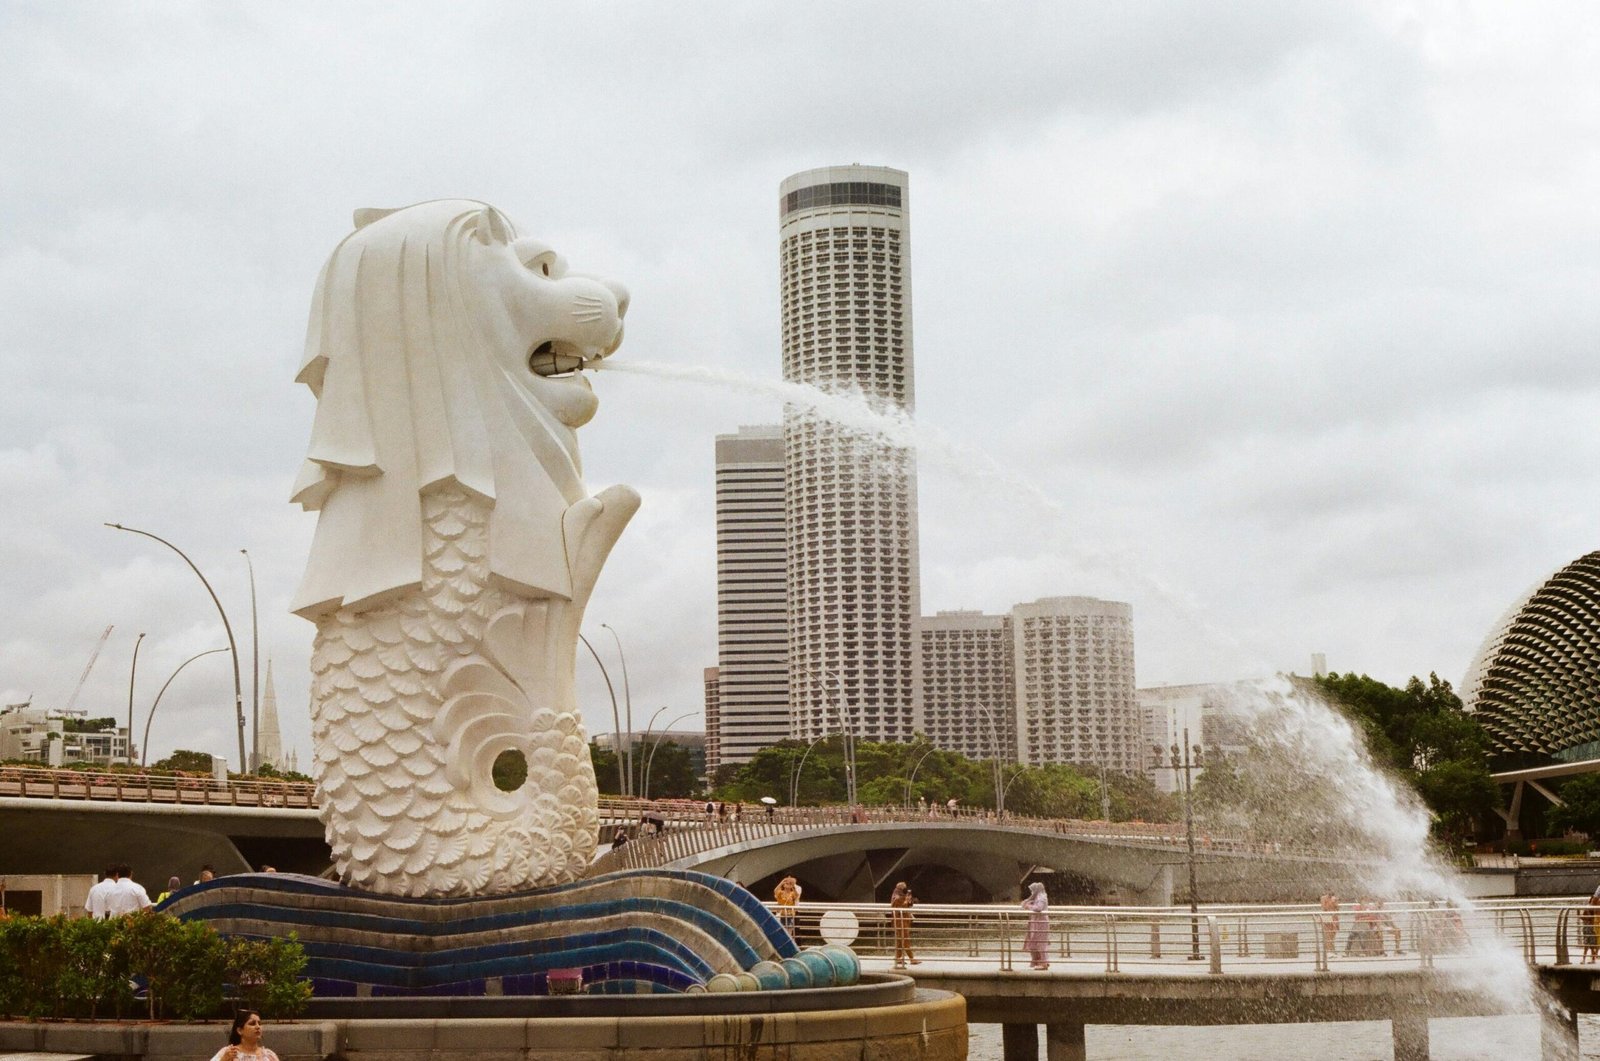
401, 815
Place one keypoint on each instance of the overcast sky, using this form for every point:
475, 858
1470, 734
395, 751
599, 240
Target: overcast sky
1282, 316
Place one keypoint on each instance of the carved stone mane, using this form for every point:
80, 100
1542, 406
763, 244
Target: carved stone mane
417, 350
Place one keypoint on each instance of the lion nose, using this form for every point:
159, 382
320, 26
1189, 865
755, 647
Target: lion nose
621, 294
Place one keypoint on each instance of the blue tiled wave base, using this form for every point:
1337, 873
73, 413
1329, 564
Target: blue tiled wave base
638, 931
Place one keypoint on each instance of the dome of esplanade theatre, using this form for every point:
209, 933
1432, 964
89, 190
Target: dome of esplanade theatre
1535, 683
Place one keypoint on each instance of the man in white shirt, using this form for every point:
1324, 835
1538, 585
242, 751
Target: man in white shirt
128, 895
98, 902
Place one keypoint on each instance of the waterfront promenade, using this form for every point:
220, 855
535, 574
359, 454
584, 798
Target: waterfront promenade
1229, 965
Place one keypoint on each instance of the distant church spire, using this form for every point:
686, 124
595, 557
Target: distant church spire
271, 739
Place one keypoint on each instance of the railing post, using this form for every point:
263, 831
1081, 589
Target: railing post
1215, 934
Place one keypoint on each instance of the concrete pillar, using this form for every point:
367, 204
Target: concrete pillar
1064, 1042
1410, 1038
1019, 1042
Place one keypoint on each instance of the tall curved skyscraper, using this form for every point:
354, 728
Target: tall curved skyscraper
850, 500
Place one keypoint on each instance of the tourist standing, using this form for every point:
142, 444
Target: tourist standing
787, 896
1037, 941
244, 1040
900, 904
1366, 941
127, 896
1330, 923
1589, 919
173, 884
98, 902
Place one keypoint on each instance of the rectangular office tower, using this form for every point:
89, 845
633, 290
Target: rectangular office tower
967, 695
1075, 699
850, 496
752, 597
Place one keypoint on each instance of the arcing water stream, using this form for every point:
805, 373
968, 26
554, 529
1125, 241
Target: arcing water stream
1328, 784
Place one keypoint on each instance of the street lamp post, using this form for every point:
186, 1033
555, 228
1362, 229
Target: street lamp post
912, 779
994, 745
848, 731
616, 723
1019, 772
132, 670
794, 775
1185, 758
255, 671
144, 745
648, 729
227, 628
627, 700
651, 758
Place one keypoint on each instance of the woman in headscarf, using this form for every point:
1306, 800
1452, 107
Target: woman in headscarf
900, 904
1037, 941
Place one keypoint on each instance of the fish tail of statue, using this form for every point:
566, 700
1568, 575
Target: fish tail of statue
413, 701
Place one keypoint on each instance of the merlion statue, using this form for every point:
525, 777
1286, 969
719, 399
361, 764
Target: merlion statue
456, 548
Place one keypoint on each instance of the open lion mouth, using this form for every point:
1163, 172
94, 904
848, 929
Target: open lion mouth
555, 358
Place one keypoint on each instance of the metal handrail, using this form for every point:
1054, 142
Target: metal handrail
144, 787
1127, 940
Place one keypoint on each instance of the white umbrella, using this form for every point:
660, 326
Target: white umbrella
769, 800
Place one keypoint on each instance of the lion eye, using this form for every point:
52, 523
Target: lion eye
537, 257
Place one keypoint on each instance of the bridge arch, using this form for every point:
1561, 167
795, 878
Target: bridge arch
857, 862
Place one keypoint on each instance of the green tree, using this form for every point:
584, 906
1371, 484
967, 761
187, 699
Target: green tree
1425, 735
606, 776
665, 764
1580, 806
184, 759
267, 770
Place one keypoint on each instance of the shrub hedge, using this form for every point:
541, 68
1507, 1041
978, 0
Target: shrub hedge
65, 967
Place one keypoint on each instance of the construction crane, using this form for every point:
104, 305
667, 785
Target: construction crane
87, 667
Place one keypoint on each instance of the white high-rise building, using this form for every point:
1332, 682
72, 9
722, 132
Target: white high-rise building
850, 500
752, 596
713, 695
967, 685
1074, 680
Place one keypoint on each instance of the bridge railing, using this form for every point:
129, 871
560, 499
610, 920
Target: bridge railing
119, 787
662, 832
1216, 941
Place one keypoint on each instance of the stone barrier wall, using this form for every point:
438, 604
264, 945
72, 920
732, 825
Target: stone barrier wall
933, 1027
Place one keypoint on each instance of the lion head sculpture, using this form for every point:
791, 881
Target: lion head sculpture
443, 349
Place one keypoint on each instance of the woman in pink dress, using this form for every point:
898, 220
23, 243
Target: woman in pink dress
1037, 941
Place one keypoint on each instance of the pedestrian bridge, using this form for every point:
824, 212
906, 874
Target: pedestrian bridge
71, 821
843, 855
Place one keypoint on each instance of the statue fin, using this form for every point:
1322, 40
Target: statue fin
492, 226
